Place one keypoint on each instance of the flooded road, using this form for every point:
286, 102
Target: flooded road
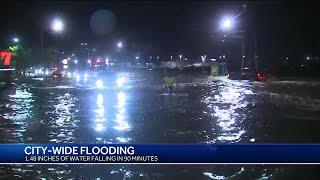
134, 108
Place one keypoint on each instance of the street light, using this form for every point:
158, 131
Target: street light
227, 23
119, 44
65, 61
57, 25
15, 40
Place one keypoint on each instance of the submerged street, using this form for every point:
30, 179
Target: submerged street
163, 75
135, 108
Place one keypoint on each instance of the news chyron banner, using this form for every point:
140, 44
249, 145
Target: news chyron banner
159, 153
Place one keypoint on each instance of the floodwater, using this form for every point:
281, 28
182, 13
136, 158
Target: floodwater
134, 108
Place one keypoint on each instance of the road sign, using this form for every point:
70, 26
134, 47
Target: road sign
7, 58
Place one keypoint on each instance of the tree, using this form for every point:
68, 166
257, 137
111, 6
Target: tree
22, 58
27, 57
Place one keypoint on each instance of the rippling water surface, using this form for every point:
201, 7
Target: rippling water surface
134, 108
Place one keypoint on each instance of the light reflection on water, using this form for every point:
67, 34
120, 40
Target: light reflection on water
225, 103
218, 177
120, 119
71, 117
63, 123
21, 110
122, 124
100, 118
17, 115
111, 113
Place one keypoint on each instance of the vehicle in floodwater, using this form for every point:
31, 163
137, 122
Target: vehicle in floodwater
248, 74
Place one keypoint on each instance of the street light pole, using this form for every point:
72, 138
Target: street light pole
57, 26
41, 38
255, 55
243, 56
227, 24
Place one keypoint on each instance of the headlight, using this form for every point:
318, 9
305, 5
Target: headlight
78, 77
99, 83
85, 76
69, 74
120, 81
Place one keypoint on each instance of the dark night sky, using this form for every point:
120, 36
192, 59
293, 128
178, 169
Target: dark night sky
282, 28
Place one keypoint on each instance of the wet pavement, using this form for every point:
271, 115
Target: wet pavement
134, 108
